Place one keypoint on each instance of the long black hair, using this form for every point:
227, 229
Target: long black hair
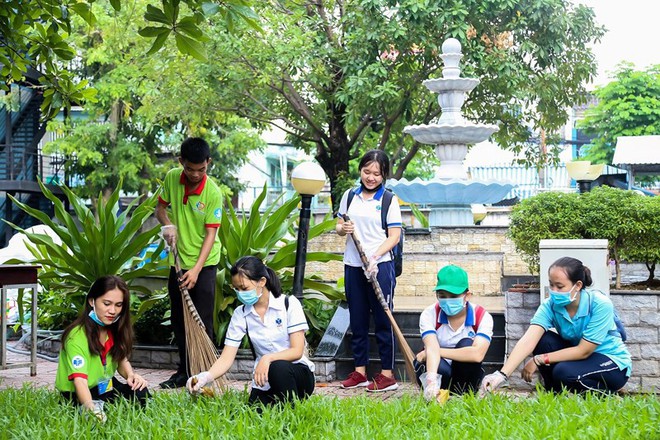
254, 269
122, 330
575, 270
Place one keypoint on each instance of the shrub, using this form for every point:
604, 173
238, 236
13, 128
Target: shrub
94, 244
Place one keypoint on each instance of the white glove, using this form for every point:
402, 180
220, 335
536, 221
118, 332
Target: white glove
201, 380
431, 385
168, 233
96, 408
372, 269
493, 381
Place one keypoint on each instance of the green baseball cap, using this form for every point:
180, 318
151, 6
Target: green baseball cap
452, 279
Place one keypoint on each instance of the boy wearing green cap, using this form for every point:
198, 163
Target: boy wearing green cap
456, 336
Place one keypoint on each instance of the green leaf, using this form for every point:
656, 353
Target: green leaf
157, 15
84, 10
159, 42
209, 8
188, 46
153, 31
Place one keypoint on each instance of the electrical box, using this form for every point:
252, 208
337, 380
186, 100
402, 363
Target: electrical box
592, 253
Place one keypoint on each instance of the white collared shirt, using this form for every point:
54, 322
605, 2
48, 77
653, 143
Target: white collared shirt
272, 334
449, 337
365, 214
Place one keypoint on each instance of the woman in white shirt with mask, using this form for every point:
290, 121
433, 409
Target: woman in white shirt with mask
275, 325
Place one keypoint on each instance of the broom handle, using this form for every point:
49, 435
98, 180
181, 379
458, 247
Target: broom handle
184, 290
408, 355
365, 264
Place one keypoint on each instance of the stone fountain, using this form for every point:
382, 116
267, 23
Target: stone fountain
451, 193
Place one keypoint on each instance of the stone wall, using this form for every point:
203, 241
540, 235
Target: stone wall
640, 313
241, 369
167, 358
485, 252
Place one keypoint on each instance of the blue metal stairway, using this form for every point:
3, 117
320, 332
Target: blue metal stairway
20, 162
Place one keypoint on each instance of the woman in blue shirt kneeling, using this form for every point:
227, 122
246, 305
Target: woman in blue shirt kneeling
586, 353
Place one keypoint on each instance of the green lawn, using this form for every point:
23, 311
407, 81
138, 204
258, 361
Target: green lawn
31, 413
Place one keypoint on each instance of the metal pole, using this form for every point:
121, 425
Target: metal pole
301, 248
584, 186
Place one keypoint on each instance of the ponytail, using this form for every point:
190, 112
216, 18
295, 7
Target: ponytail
254, 269
273, 282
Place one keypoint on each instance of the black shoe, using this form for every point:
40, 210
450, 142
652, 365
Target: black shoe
177, 380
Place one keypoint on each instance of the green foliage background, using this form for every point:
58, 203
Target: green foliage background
629, 105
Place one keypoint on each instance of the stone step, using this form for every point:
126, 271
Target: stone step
344, 366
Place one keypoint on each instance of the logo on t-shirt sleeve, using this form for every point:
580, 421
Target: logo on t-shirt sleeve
218, 213
78, 362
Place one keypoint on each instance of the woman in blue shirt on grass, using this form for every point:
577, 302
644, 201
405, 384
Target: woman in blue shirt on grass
586, 353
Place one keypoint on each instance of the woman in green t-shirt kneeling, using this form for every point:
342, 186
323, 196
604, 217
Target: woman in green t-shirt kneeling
98, 344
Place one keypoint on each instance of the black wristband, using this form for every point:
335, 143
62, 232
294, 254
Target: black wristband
503, 374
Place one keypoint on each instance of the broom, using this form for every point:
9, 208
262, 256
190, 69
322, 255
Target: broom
408, 355
201, 351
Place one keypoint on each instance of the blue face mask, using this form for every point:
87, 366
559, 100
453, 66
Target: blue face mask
562, 299
451, 306
96, 319
247, 297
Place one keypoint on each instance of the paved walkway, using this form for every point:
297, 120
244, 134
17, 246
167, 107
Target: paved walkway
16, 377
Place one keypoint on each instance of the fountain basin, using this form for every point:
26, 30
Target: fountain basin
434, 134
438, 85
439, 192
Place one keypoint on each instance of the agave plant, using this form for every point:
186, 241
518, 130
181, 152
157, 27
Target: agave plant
92, 245
270, 237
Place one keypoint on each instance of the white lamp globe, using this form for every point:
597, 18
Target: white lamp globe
308, 178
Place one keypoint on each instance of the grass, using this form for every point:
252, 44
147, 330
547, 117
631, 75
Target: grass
30, 413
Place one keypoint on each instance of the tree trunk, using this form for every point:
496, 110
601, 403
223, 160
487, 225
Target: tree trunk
334, 160
651, 268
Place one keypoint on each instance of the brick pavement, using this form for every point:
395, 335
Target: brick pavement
16, 377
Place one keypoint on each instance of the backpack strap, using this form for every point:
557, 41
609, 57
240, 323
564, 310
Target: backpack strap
385, 206
351, 194
479, 313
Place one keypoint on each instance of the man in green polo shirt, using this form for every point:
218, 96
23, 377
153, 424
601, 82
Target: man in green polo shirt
192, 222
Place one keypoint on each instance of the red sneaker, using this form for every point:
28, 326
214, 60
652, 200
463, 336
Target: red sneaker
355, 380
382, 383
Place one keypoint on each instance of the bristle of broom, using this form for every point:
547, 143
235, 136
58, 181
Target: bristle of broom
201, 351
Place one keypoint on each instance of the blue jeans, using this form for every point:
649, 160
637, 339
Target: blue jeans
362, 303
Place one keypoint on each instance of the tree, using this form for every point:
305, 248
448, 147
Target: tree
33, 36
545, 216
118, 138
611, 213
627, 106
627, 220
644, 243
343, 76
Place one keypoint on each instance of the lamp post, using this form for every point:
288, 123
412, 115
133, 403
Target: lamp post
308, 179
583, 172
